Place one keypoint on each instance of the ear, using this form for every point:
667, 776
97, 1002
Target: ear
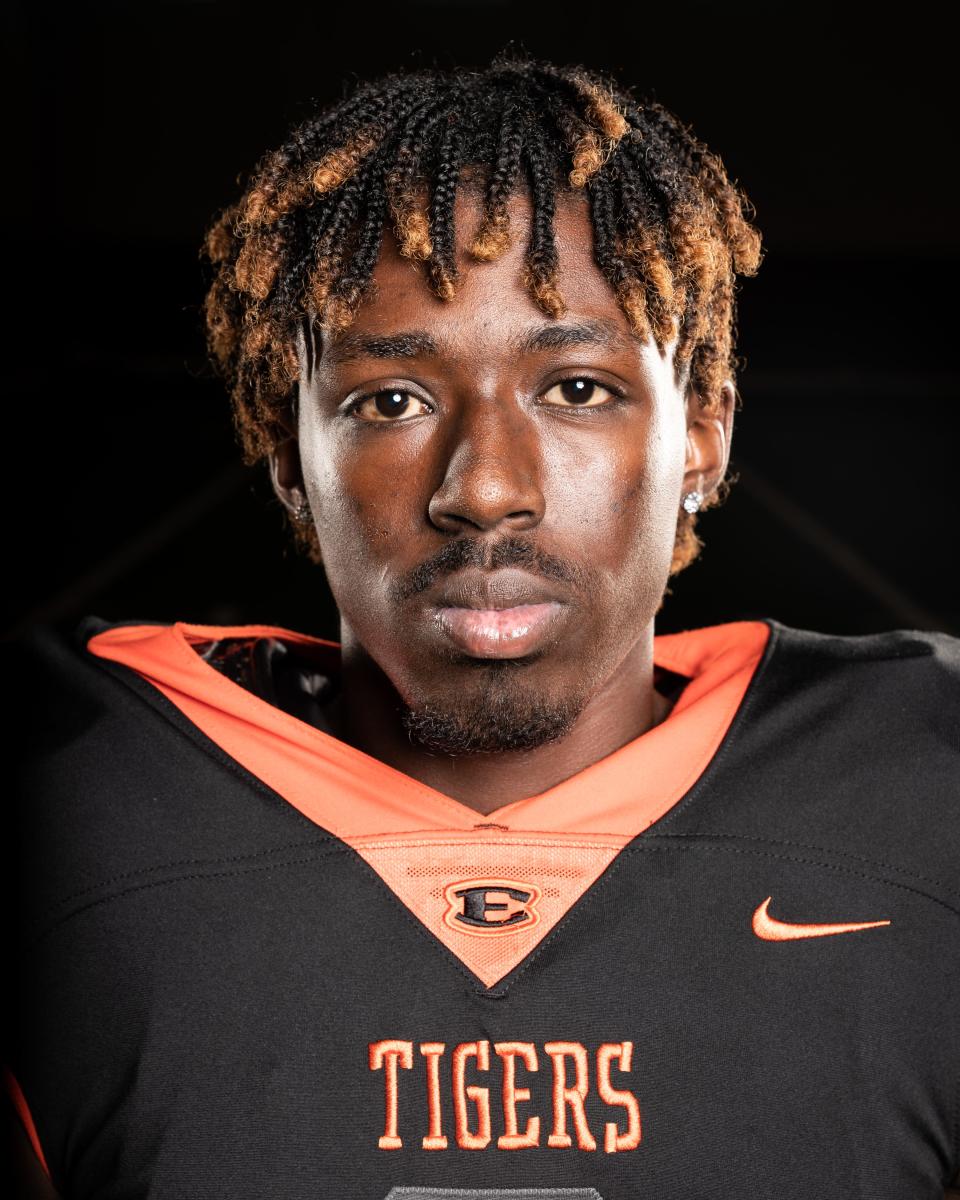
286, 474
708, 440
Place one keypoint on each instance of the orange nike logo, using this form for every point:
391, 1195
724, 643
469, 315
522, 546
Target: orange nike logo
772, 930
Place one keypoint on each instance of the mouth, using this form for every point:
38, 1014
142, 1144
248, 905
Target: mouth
499, 632
498, 614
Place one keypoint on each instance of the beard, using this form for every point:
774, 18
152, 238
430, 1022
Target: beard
500, 715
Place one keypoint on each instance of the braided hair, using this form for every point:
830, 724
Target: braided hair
671, 232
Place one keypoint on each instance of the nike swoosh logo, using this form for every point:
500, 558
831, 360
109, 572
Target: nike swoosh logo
772, 930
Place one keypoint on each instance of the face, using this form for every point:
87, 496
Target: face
495, 491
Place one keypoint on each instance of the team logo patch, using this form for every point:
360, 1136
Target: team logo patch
491, 906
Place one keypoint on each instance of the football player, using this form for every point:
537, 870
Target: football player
502, 894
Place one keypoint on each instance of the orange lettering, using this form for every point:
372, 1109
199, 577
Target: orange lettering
613, 1139
387, 1054
480, 1096
572, 1096
432, 1051
512, 1095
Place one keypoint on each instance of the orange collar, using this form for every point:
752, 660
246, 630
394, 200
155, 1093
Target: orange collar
353, 795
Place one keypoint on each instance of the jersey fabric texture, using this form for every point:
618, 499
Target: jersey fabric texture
723, 961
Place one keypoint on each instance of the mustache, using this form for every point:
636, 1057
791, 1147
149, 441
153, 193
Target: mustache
508, 552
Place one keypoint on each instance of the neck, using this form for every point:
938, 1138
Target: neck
365, 715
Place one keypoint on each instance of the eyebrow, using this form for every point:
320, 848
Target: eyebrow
594, 332
351, 346
416, 343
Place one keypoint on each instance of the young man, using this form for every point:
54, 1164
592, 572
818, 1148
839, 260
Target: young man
501, 895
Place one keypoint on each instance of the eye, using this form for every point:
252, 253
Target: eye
389, 405
581, 391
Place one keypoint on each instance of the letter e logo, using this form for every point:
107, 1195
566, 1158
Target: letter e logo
491, 906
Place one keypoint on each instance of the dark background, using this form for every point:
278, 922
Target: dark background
131, 124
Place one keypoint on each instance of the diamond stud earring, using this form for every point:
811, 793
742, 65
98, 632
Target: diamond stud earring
692, 501
302, 512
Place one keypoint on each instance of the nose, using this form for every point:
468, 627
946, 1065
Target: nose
491, 472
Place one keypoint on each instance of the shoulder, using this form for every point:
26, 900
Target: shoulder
890, 646
901, 676
65, 701
113, 786
852, 743
46, 656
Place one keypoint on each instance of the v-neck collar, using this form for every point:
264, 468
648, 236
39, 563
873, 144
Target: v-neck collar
353, 795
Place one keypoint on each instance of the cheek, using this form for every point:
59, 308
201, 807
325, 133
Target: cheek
622, 497
659, 490
359, 502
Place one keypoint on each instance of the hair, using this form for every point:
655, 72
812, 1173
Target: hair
671, 232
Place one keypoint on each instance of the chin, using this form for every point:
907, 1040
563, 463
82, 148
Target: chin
495, 716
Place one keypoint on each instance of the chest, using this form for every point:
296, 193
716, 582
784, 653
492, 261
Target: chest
290, 1023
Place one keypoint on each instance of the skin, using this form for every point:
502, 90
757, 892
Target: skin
597, 493
489, 456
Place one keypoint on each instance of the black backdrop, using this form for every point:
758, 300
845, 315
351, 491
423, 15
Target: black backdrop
131, 124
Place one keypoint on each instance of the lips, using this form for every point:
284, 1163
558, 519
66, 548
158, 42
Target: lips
495, 590
499, 633
497, 614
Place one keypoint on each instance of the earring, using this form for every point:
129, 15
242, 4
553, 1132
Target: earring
302, 512
692, 501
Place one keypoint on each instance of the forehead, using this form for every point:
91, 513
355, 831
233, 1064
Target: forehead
492, 297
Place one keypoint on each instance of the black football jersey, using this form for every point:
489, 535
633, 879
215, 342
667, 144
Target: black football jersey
252, 961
